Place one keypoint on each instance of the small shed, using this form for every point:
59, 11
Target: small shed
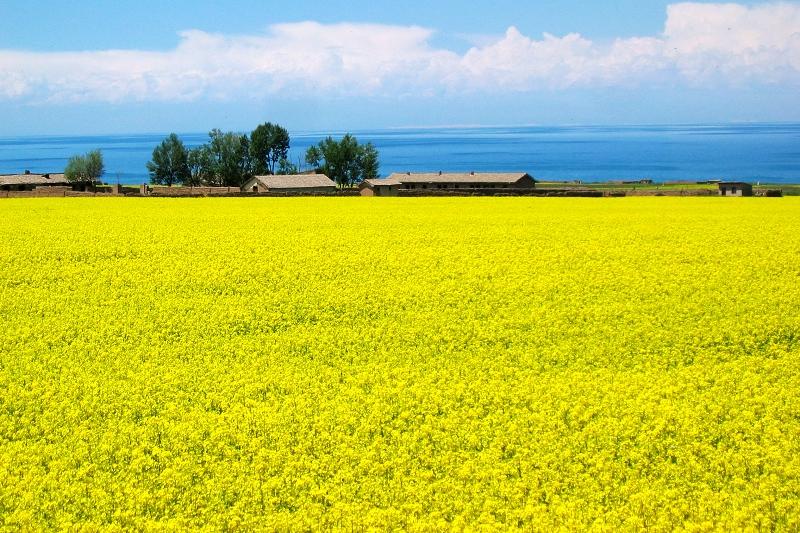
735, 188
379, 187
290, 183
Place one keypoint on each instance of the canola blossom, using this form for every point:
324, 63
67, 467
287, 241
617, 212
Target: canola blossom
400, 363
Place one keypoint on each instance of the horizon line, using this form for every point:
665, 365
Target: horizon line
433, 127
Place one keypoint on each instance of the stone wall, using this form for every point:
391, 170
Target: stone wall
161, 190
581, 193
672, 192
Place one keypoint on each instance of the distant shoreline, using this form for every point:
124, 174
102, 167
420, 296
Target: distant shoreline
754, 152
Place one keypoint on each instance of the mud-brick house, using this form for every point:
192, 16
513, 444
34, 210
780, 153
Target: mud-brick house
379, 187
290, 183
735, 188
446, 180
28, 181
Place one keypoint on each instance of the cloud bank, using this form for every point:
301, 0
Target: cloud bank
701, 45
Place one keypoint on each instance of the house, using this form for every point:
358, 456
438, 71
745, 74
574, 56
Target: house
379, 187
735, 188
444, 181
29, 181
290, 183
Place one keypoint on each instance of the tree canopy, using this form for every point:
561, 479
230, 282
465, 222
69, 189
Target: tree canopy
224, 161
269, 147
170, 163
345, 161
229, 159
85, 168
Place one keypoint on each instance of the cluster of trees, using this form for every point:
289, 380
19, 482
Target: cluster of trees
230, 159
227, 159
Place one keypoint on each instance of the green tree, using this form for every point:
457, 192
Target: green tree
201, 169
224, 161
230, 158
345, 161
170, 163
287, 167
314, 157
370, 164
269, 145
85, 168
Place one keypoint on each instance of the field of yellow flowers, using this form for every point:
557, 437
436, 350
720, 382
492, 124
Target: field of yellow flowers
428, 364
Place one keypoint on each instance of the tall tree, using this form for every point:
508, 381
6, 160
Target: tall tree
85, 168
314, 157
201, 168
286, 167
345, 161
230, 158
370, 164
269, 145
170, 163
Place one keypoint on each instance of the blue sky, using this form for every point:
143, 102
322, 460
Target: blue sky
146, 66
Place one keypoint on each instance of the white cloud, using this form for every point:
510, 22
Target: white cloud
701, 44
734, 42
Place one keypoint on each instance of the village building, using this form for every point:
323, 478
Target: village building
29, 181
290, 183
735, 188
446, 181
379, 187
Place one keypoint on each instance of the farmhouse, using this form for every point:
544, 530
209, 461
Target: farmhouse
735, 188
380, 187
290, 183
29, 182
439, 181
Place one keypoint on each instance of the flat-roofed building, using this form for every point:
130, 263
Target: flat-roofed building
446, 180
735, 188
29, 181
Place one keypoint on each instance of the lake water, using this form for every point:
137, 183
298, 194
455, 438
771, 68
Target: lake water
752, 152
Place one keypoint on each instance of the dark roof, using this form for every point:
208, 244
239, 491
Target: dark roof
735, 183
33, 179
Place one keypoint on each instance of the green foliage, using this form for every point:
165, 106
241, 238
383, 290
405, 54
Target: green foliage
345, 161
230, 156
286, 167
269, 146
170, 163
369, 162
85, 168
314, 157
201, 169
224, 161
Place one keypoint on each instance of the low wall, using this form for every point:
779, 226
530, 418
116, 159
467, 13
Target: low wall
672, 192
580, 193
195, 192
171, 192
48, 194
284, 194
161, 190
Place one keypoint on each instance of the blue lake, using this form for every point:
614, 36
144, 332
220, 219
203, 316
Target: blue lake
751, 152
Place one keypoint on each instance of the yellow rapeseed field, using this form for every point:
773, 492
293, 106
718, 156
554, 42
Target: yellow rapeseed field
427, 364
